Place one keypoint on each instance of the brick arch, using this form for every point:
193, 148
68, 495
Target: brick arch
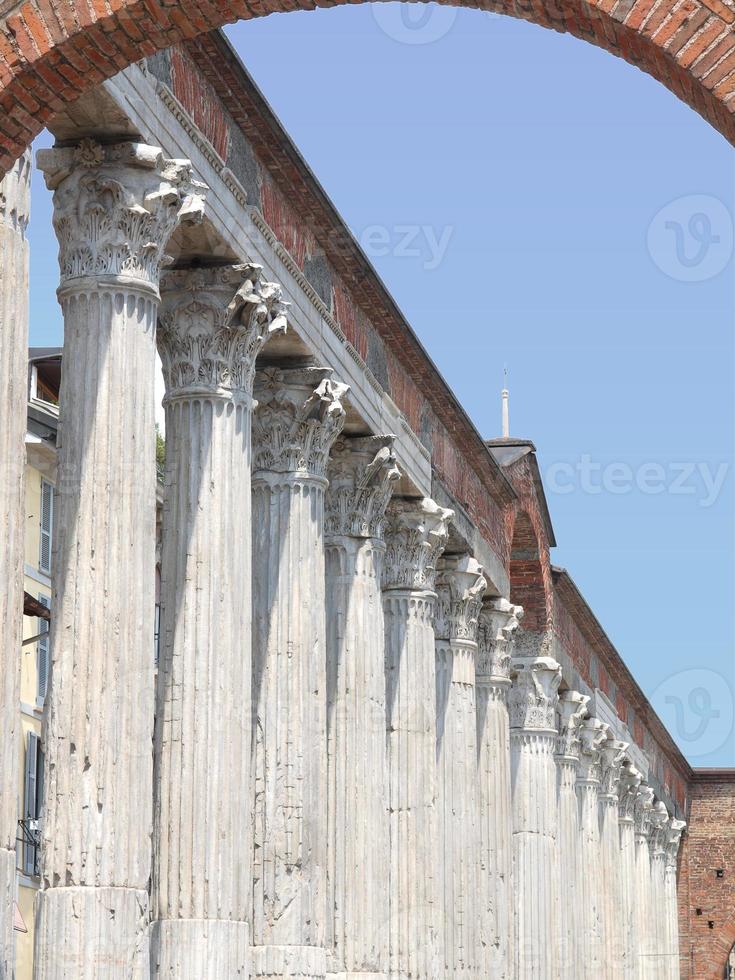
720, 950
528, 578
52, 50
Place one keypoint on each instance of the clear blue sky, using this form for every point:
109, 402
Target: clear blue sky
543, 165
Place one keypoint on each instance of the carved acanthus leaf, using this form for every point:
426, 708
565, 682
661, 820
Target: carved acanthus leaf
460, 586
675, 830
298, 418
572, 711
592, 733
498, 622
659, 829
416, 533
533, 695
115, 208
362, 473
642, 810
613, 754
630, 781
213, 324
15, 195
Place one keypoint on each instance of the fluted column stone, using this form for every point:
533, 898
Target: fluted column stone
593, 734
460, 587
572, 710
298, 418
114, 209
630, 780
416, 534
213, 324
14, 215
642, 817
362, 473
671, 909
533, 735
498, 622
613, 753
657, 910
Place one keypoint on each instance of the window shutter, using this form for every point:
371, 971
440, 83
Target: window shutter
43, 653
47, 525
30, 808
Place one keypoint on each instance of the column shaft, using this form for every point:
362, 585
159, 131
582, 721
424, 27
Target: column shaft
497, 625
630, 781
533, 744
415, 535
643, 883
593, 734
673, 970
610, 863
14, 213
299, 415
114, 210
659, 962
361, 474
213, 324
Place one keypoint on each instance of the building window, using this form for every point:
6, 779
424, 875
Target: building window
31, 834
47, 526
42, 663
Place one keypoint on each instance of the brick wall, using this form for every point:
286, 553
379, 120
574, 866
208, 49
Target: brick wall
706, 900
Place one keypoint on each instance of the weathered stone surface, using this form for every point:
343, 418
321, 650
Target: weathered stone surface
593, 734
14, 214
213, 324
362, 473
299, 415
644, 940
114, 209
630, 780
612, 755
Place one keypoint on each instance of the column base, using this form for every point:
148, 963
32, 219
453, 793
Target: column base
92, 934
283, 962
7, 897
200, 949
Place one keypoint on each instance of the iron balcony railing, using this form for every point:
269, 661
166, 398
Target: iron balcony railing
29, 847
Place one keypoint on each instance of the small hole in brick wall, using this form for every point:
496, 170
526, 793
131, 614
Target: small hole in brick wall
711, 924
720, 873
698, 911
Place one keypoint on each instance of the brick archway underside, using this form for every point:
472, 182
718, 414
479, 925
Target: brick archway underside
52, 50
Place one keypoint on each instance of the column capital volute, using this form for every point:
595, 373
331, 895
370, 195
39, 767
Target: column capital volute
630, 781
299, 415
115, 208
592, 734
612, 755
533, 694
572, 711
416, 533
213, 323
642, 811
460, 586
498, 622
673, 839
362, 474
659, 829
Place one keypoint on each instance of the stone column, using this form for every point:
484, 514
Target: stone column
592, 733
460, 587
213, 324
533, 735
498, 623
671, 910
572, 709
657, 910
610, 866
14, 214
630, 780
362, 473
416, 533
642, 817
299, 415
114, 210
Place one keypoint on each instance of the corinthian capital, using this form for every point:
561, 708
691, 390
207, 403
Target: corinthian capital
572, 710
533, 696
659, 829
498, 622
613, 753
115, 208
673, 838
15, 195
213, 323
362, 473
299, 416
630, 781
416, 533
593, 734
460, 585
642, 811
